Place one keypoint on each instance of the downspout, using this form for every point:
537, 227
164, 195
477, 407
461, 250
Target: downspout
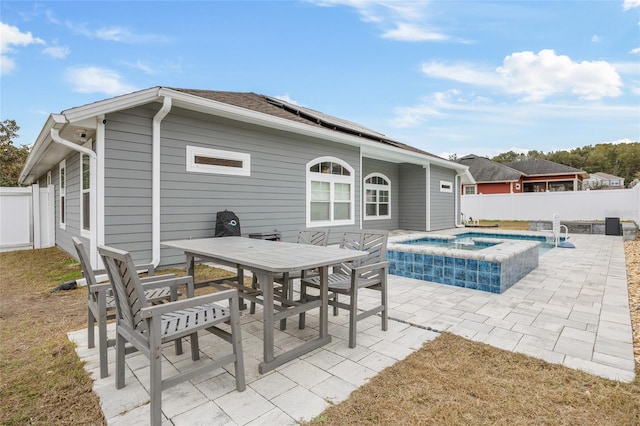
93, 214
457, 183
155, 180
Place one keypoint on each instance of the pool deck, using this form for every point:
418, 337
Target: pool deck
572, 310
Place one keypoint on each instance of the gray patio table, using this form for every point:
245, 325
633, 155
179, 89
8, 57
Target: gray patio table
265, 259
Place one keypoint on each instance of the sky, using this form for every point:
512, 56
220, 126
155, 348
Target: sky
449, 77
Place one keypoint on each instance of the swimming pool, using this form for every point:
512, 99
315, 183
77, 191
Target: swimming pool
468, 241
490, 262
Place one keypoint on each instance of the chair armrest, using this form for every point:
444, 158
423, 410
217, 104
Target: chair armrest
151, 270
356, 272
154, 278
166, 308
168, 280
101, 288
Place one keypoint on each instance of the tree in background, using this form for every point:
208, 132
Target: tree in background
12, 158
621, 160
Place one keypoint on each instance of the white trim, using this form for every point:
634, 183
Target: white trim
99, 190
155, 179
196, 151
62, 195
85, 232
332, 180
427, 207
377, 188
49, 178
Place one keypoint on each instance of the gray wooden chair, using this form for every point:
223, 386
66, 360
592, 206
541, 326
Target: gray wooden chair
147, 327
101, 304
317, 237
349, 278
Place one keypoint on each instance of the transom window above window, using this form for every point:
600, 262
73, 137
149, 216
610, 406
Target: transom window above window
377, 197
330, 192
330, 167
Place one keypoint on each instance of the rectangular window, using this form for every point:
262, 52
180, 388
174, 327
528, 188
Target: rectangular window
62, 167
85, 193
446, 186
320, 201
216, 161
469, 190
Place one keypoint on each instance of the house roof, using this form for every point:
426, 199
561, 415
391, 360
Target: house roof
540, 167
247, 107
484, 170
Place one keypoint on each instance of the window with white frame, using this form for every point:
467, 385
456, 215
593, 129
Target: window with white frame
469, 189
446, 186
85, 196
330, 187
217, 161
377, 189
62, 174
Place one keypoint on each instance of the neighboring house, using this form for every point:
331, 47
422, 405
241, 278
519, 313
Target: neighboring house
156, 165
520, 176
603, 181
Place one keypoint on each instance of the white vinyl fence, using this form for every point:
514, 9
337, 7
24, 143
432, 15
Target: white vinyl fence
571, 205
26, 218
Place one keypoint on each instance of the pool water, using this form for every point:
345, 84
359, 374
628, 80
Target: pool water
465, 241
544, 247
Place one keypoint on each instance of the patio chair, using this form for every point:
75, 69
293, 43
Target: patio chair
101, 304
317, 237
350, 278
148, 327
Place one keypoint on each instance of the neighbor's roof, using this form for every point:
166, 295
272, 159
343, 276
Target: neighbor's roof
540, 167
606, 176
484, 170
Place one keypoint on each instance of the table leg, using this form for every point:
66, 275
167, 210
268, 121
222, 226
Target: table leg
266, 285
324, 297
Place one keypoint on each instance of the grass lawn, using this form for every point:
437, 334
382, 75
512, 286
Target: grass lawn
448, 381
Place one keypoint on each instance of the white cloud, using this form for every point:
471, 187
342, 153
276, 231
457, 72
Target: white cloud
630, 4
596, 38
635, 51
409, 31
11, 36
462, 72
97, 80
58, 52
288, 99
401, 21
535, 77
115, 34
538, 76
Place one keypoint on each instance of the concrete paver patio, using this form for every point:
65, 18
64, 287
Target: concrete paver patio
571, 310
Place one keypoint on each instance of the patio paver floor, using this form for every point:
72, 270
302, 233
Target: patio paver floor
572, 310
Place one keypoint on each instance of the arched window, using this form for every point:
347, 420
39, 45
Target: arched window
377, 204
330, 192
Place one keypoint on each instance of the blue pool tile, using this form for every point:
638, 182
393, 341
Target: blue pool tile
438, 260
449, 262
448, 272
460, 263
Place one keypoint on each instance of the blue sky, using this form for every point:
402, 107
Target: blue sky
449, 77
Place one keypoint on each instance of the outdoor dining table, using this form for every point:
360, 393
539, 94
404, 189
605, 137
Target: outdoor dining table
266, 259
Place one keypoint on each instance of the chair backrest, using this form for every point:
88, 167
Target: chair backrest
87, 272
127, 289
316, 237
374, 242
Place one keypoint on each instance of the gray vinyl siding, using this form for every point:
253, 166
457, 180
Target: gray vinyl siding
127, 182
391, 171
442, 203
412, 197
72, 195
272, 198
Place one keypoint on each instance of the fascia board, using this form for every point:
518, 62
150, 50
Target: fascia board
40, 145
107, 106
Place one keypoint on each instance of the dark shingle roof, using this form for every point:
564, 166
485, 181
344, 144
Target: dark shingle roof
279, 108
484, 170
543, 167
